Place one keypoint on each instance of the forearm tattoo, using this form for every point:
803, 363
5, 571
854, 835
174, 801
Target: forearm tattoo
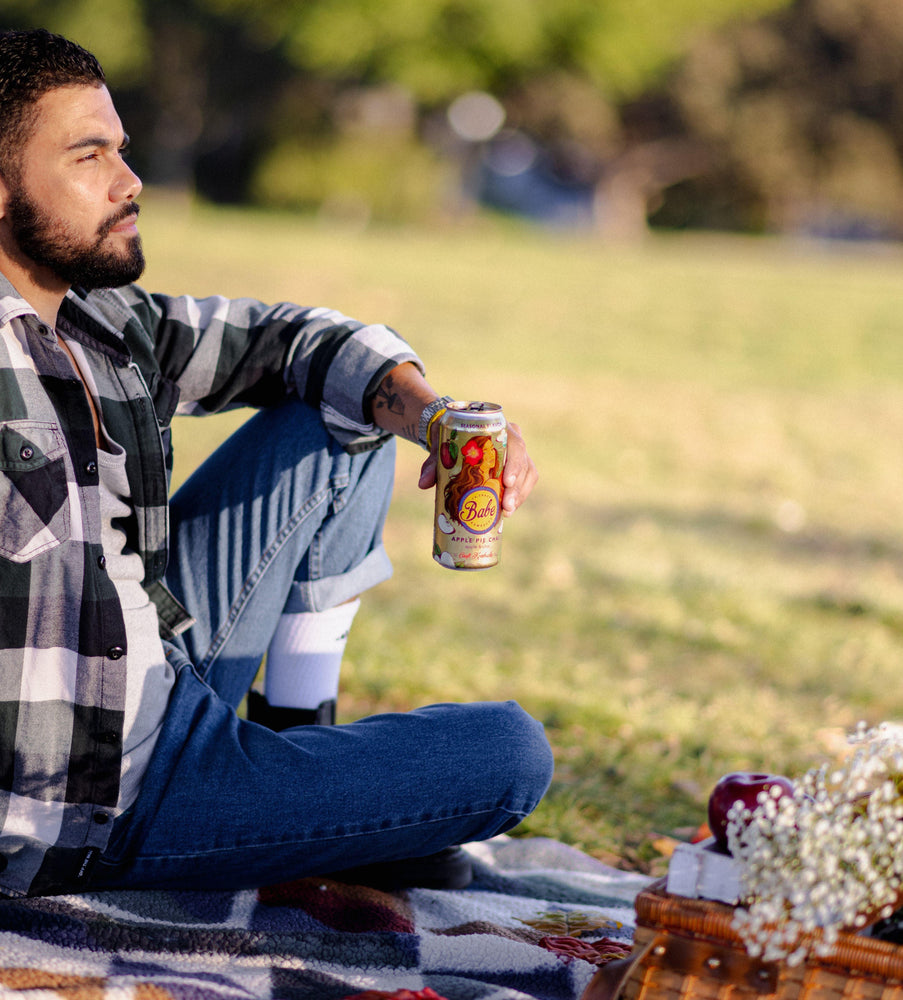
387, 399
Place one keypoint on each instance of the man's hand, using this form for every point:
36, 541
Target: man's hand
519, 477
397, 406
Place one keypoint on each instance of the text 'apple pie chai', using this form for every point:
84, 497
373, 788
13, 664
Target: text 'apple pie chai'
473, 439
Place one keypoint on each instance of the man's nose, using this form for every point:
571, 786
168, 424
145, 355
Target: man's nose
127, 185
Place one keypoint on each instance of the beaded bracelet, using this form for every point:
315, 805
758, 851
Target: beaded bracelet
431, 412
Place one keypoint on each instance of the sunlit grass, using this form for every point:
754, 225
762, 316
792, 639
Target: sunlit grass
708, 576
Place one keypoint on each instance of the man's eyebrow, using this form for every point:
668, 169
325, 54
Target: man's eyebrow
93, 141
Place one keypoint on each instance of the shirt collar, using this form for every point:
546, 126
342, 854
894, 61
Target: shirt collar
89, 316
12, 305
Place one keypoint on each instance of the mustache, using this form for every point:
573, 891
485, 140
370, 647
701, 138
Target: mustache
114, 220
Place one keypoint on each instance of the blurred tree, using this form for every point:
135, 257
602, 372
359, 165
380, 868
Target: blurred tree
803, 113
114, 30
751, 113
439, 48
563, 71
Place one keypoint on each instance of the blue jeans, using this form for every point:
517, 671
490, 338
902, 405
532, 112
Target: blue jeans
281, 517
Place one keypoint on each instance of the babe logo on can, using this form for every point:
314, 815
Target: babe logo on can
479, 510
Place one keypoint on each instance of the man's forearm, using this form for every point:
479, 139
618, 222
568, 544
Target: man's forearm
400, 400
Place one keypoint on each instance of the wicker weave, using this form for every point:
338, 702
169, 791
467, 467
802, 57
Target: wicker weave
686, 948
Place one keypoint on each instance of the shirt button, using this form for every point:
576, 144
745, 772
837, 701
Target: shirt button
26, 453
91, 468
115, 652
102, 562
101, 818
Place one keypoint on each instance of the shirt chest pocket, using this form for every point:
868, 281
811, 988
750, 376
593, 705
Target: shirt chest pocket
34, 493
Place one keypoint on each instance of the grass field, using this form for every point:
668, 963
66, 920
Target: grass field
708, 576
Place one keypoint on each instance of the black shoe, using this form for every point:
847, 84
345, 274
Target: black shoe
450, 868
259, 710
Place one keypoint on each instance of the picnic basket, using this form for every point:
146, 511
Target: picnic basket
686, 948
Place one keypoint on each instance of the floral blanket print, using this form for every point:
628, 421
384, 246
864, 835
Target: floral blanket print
536, 923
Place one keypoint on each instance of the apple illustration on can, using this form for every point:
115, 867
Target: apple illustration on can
745, 787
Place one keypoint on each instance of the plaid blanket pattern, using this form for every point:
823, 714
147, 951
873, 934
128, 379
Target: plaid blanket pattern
534, 925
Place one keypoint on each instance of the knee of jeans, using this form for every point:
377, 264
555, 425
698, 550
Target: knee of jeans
524, 750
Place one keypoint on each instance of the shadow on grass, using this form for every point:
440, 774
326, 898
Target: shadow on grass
716, 523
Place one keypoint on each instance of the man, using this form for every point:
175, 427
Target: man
130, 629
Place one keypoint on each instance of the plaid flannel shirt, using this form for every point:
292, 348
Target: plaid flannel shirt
63, 655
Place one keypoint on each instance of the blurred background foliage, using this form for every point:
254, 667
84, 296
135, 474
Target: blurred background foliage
612, 115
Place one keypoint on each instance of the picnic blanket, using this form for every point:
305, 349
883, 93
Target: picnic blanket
536, 922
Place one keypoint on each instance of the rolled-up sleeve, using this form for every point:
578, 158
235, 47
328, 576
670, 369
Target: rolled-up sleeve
339, 369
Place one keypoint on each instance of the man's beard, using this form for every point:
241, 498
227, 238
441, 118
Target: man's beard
49, 242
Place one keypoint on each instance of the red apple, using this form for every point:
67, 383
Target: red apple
740, 786
448, 454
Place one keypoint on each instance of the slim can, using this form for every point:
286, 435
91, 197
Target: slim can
473, 439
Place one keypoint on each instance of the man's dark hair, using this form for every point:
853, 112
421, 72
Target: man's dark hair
31, 64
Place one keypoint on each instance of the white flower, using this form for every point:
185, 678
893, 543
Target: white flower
826, 857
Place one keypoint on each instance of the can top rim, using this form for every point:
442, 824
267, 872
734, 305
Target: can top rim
474, 407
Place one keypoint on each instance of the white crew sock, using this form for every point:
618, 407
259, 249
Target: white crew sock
305, 656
